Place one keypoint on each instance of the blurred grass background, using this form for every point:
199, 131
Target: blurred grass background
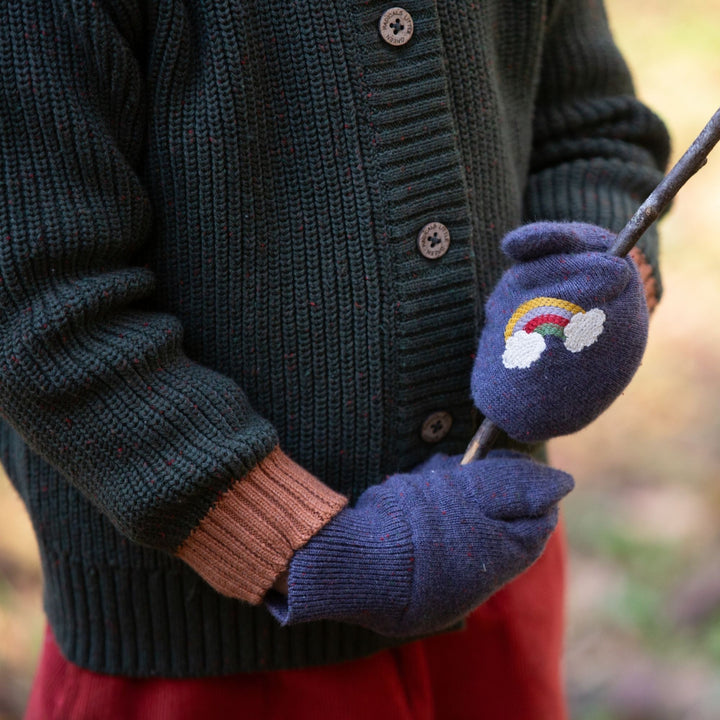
644, 605
644, 599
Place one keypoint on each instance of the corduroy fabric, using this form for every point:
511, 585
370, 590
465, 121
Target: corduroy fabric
207, 248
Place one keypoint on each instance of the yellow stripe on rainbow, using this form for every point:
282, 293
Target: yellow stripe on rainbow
539, 302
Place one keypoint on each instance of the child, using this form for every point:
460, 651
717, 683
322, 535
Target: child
244, 257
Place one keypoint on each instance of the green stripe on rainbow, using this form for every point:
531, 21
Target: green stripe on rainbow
549, 328
552, 306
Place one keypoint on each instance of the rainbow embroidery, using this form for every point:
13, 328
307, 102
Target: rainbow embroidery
539, 317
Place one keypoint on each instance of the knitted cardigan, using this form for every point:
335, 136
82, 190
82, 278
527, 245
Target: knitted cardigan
216, 328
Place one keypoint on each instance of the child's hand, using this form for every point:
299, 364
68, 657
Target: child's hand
421, 550
565, 331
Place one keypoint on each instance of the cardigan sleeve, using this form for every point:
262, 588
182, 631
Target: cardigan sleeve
598, 152
94, 383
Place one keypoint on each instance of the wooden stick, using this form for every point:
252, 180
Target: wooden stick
692, 160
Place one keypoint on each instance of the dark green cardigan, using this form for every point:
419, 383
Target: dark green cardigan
208, 251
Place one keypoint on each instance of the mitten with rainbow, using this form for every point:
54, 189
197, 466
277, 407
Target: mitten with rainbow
565, 330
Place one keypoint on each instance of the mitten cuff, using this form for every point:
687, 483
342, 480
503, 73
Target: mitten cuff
248, 537
358, 569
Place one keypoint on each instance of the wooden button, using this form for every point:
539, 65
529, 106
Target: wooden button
396, 26
433, 240
436, 426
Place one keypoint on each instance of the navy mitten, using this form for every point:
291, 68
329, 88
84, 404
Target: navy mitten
419, 551
565, 331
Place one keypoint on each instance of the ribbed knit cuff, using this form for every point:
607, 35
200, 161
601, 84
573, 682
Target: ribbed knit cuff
249, 536
647, 275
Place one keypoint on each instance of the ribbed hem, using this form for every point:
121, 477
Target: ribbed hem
142, 622
249, 536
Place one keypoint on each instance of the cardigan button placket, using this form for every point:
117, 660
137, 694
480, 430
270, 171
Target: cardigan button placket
433, 240
436, 426
396, 26
404, 86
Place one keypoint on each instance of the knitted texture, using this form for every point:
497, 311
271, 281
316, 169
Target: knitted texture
208, 223
650, 281
421, 550
565, 331
245, 541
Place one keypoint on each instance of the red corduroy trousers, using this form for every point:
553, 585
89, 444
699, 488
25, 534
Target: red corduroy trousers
505, 665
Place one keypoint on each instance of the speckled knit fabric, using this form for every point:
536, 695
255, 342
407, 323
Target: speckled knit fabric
216, 327
565, 331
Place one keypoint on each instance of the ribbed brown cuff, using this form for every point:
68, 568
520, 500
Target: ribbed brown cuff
647, 276
249, 536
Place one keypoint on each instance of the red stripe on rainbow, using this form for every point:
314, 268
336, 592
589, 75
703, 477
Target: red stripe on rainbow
543, 319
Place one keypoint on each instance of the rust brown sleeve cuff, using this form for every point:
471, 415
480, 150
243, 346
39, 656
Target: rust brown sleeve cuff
647, 276
249, 536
